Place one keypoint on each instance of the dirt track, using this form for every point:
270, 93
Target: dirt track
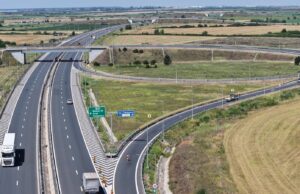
263, 151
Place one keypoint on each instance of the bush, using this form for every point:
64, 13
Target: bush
146, 62
297, 60
141, 51
156, 31
128, 27
125, 49
153, 62
167, 60
137, 62
96, 64
287, 95
110, 64
284, 31
205, 33
135, 51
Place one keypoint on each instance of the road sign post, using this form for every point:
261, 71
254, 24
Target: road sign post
125, 113
97, 111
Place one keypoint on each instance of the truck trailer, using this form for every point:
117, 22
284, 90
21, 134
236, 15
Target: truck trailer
8, 150
91, 183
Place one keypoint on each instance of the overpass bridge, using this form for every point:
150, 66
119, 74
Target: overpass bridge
19, 53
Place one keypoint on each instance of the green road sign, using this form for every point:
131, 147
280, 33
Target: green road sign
97, 111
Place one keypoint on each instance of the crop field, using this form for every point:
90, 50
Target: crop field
243, 30
145, 98
207, 70
263, 151
152, 39
27, 38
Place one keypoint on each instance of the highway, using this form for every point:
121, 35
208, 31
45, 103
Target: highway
24, 177
128, 174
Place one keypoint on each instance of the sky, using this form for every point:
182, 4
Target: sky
12, 4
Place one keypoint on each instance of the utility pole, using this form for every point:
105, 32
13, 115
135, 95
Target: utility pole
192, 101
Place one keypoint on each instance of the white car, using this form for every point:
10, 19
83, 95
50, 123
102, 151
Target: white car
69, 101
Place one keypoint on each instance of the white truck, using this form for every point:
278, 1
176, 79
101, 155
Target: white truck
91, 183
8, 150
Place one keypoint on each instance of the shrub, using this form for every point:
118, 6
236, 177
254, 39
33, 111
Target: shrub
146, 62
297, 60
141, 51
135, 51
128, 27
283, 30
167, 60
153, 62
205, 33
286, 95
125, 49
110, 64
96, 63
156, 31
137, 62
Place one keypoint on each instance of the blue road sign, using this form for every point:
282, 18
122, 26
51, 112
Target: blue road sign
125, 113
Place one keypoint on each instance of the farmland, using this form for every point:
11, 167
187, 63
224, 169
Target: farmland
242, 30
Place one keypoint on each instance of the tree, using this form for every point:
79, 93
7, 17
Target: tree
141, 51
41, 42
167, 60
162, 32
124, 49
146, 62
137, 62
128, 27
297, 60
283, 30
96, 63
73, 33
153, 62
156, 32
205, 33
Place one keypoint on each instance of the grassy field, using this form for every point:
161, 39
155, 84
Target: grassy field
243, 30
206, 70
238, 149
154, 99
263, 153
151, 39
9, 76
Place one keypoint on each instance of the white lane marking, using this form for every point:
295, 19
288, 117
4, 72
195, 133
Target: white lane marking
24, 119
22, 126
73, 158
26, 107
20, 144
29, 97
18, 168
66, 128
21, 134
76, 172
27, 102
67, 136
81, 189
17, 183
25, 113
64, 120
62, 107
61, 97
63, 113
70, 147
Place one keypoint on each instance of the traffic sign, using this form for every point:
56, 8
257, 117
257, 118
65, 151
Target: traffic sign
97, 111
125, 113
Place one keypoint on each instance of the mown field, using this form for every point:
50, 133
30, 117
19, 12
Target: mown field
263, 150
28, 38
154, 99
206, 70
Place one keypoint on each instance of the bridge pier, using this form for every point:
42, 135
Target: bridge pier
93, 54
19, 56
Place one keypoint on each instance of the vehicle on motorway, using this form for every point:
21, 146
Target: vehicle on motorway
232, 97
91, 182
71, 59
8, 150
69, 101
